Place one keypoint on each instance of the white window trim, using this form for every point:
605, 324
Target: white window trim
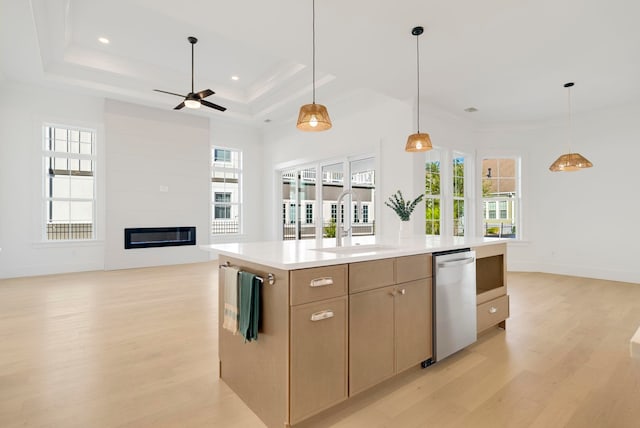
240, 204
98, 187
317, 165
520, 202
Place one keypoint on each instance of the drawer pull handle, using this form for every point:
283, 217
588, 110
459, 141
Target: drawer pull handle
322, 315
321, 282
403, 291
493, 310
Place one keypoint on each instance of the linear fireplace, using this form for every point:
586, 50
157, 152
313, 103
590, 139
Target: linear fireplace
145, 237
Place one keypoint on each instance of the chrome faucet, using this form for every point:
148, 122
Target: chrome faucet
339, 230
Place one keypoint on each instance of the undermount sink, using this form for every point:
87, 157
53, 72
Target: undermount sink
356, 249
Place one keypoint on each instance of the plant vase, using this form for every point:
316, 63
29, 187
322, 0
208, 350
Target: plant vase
405, 230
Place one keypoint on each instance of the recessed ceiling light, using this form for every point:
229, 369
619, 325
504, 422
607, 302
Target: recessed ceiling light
103, 40
235, 78
471, 109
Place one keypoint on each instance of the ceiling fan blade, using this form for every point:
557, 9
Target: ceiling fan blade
179, 106
170, 93
212, 105
204, 94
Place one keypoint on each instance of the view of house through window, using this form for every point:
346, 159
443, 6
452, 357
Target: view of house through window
500, 197
458, 195
432, 193
226, 191
313, 200
69, 182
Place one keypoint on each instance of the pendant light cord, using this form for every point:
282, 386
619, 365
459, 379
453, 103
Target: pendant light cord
418, 74
313, 32
570, 117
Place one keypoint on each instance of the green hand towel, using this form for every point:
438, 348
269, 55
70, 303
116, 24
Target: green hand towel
249, 305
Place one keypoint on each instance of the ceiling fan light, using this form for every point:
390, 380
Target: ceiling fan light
570, 162
313, 118
419, 142
192, 104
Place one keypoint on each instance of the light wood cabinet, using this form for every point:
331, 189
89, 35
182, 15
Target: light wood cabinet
373, 274
318, 357
491, 286
390, 328
310, 285
331, 332
371, 338
413, 323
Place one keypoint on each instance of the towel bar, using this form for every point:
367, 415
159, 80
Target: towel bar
271, 278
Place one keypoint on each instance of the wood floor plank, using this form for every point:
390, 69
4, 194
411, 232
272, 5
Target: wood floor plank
138, 348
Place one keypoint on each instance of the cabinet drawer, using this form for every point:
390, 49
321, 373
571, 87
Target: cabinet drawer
310, 285
318, 357
493, 312
370, 275
411, 268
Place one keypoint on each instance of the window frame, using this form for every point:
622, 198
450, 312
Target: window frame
47, 199
517, 201
226, 165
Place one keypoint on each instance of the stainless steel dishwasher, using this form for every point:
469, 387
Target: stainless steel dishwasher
454, 301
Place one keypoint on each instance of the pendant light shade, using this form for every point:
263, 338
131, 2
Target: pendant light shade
313, 117
420, 141
570, 161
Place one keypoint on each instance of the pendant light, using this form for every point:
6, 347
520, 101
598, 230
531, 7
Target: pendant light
314, 117
570, 161
418, 142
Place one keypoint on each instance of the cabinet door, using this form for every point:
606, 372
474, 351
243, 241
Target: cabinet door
413, 316
371, 347
318, 357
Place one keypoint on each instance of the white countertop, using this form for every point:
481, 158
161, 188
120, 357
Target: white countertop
288, 255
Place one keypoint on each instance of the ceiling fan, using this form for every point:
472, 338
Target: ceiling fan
194, 99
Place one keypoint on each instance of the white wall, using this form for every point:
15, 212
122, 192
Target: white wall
370, 124
23, 110
157, 176
580, 223
139, 149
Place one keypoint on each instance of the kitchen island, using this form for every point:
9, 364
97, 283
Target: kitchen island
336, 321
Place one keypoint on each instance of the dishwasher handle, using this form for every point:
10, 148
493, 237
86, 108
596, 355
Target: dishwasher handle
458, 262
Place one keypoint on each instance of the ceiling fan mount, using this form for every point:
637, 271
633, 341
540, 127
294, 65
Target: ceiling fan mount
194, 99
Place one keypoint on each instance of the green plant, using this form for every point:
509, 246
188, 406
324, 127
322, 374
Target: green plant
401, 207
330, 230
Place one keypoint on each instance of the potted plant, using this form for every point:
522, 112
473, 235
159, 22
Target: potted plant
404, 209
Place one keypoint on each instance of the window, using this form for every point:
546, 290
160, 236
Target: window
309, 213
292, 213
458, 195
365, 213
432, 193
221, 155
311, 192
503, 209
492, 210
226, 190
500, 196
69, 156
222, 209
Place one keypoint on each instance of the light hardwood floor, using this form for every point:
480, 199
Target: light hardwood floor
138, 348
